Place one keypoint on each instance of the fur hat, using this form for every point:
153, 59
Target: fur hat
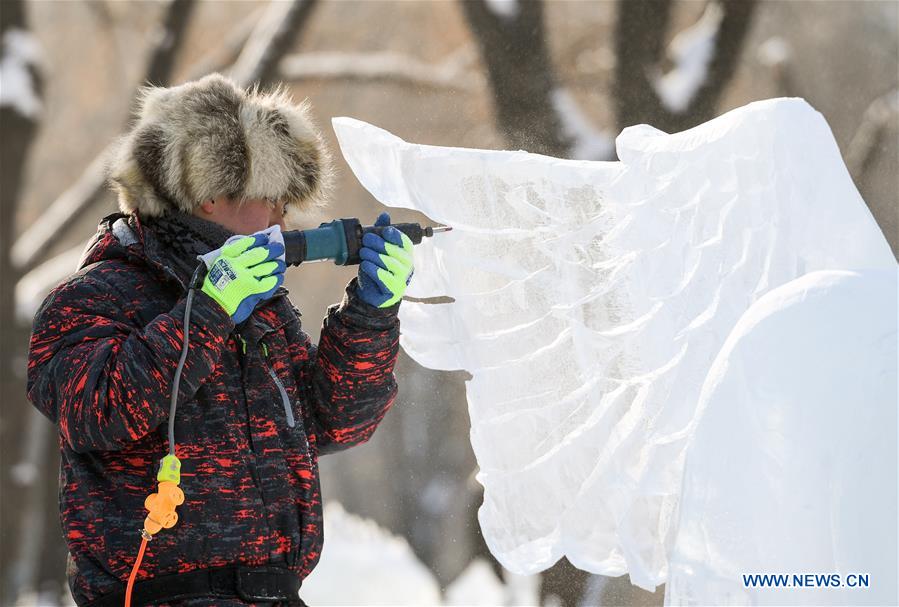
210, 138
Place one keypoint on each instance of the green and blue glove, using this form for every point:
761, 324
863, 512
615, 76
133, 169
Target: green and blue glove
245, 272
386, 267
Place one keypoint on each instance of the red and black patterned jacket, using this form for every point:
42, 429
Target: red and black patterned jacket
104, 350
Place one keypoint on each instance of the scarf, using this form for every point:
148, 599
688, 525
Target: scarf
180, 237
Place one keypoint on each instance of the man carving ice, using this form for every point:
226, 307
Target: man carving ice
258, 402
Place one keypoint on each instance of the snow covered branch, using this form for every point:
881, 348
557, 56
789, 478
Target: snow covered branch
18, 73
33, 287
503, 9
587, 143
224, 54
451, 74
271, 38
35, 240
705, 58
692, 52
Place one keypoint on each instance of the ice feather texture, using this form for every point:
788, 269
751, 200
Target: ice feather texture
590, 299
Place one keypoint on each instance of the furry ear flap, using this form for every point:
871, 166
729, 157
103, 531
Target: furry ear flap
210, 138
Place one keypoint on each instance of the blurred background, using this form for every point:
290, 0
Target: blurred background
555, 77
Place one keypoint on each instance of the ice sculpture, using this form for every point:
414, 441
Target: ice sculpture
590, 299
792, 468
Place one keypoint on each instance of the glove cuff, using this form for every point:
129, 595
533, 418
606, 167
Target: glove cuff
207, 311
215, 295
363, 315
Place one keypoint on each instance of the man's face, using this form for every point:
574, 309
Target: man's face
251, 216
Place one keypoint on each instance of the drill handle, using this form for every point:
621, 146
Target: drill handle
355, 232
340, 240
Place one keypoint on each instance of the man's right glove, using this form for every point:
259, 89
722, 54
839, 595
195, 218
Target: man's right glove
245, 274
386, 267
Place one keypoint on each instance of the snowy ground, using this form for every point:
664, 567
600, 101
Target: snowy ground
363, 564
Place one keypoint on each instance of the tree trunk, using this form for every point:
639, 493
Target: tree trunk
514, 51
639, 42
19, 126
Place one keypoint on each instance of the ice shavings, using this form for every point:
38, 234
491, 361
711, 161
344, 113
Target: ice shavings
590, 299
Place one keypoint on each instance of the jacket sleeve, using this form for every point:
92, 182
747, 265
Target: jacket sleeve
349, 377
103, 380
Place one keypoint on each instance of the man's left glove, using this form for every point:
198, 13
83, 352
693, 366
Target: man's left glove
386, 267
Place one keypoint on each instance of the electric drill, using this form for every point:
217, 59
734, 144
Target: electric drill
341, 240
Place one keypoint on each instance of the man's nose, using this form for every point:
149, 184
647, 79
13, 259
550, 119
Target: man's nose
276, 219
276, 216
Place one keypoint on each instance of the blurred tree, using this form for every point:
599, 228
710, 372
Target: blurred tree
19, 112
534, 112
169, 38
38, 552
870, 153
513, 47
717, 39
36, 557
20, 107
273, 36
